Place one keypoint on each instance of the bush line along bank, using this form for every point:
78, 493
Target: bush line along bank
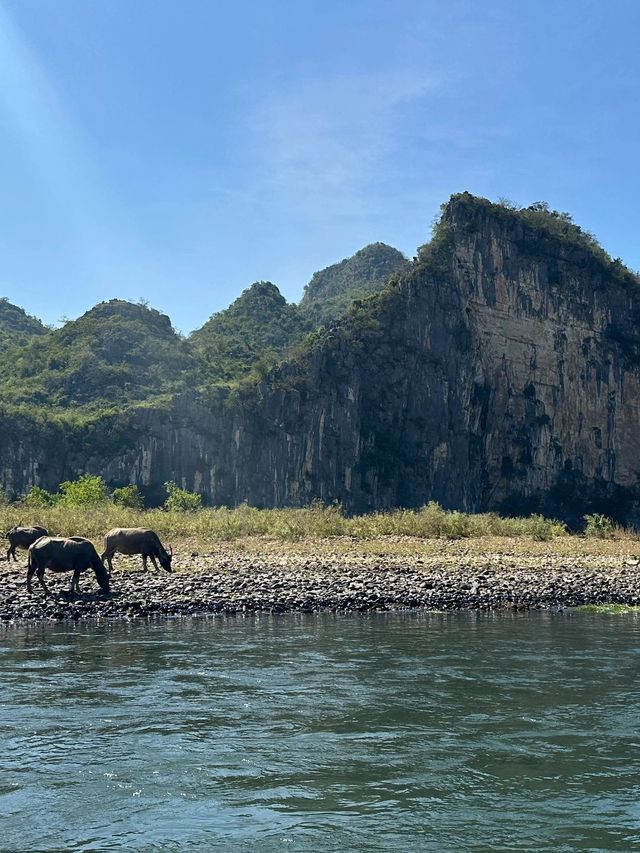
86, 507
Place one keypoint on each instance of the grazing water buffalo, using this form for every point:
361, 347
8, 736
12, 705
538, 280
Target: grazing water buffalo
136, 540
65, 555
23, 537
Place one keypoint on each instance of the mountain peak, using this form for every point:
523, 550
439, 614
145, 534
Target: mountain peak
531, 226
333, 289
121, 310
262, 289
117, 351
14, 319
253, 302
259, 323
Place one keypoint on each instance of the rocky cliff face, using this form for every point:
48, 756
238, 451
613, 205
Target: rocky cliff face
501, 371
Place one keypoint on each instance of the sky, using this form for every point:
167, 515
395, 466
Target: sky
178, 150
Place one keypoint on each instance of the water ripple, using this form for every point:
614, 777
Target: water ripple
426, 732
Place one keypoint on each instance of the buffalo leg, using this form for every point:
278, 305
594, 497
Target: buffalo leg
40, 573
108, 556
155, 564
30, 573
12, 552
74, 582
144, 563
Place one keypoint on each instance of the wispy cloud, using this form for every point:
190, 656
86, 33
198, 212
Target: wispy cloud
329, 138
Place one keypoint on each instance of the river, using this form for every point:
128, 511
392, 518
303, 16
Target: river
383, 732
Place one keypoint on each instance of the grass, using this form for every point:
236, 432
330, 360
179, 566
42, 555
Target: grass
402, 530
221, 524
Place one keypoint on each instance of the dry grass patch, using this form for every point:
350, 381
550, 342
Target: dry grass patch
430, 533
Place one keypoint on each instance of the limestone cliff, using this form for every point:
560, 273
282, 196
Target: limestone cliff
501, 371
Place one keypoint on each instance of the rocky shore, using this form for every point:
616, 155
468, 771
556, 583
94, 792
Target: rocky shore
232, 581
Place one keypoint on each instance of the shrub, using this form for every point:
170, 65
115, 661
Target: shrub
459, 525
129, 497
543, 529
38, 497
179, 500
598, 526
433, 518
85, 491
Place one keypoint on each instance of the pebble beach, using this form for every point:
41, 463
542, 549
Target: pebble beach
229, 580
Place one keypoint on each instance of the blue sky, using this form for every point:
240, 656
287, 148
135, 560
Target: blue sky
177, 150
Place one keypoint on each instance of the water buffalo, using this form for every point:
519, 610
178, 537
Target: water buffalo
136, 540
23, 537
65, 555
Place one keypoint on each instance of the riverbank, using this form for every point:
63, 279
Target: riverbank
345, 575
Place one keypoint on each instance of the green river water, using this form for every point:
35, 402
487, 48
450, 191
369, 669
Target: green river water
421, 731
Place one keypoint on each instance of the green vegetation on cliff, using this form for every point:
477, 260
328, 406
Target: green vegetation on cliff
16, 326
331, 291
254, 330
120, 354
247, 339
116, 353
346, 387
541, 226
